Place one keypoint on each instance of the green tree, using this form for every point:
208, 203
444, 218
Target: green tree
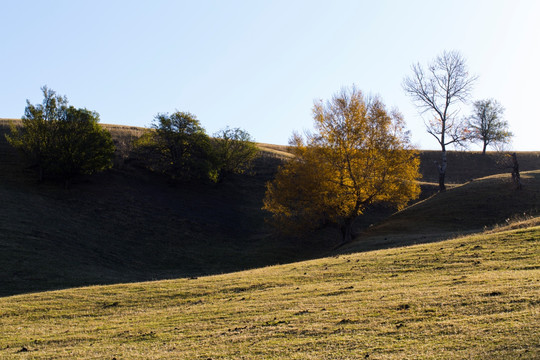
487, 124
62, 141
35, 137
359, 155
235, 150
178, 146
81, 145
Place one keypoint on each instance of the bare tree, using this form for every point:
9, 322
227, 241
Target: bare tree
487, 124
436, 90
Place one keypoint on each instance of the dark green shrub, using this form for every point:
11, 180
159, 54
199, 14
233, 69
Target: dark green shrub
61, 141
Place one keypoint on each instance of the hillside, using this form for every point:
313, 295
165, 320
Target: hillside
468, 208
469, 298
131, 225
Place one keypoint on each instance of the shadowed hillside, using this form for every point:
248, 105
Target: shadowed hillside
466, 165
129, 225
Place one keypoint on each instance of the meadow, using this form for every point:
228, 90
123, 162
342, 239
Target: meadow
454, 275
474, 297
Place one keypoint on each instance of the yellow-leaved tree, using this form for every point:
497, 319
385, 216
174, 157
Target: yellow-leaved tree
359, 154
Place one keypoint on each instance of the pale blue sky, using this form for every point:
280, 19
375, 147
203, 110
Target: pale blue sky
259, 65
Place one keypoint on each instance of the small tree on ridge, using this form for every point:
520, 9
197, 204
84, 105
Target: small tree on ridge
178, 146
487, 124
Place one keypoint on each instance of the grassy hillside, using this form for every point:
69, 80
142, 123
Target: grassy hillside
468, 208
131, 225
118, 228
475, 297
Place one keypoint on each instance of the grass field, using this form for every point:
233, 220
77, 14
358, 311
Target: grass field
468, 289
476, 297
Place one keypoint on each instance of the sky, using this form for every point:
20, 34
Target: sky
259, 65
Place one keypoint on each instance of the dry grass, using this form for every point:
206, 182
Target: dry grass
277, 150
465, 209
464, 166
471, 297
517, 222
475, 297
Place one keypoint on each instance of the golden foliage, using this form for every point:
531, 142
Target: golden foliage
360, 154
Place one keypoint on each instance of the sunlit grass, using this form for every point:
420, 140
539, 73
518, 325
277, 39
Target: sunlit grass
476, 297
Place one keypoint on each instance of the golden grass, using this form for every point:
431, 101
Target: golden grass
277, 150
475, 297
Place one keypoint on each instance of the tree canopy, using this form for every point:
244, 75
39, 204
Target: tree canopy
359, 154
178, 146
235, 150
487, 124
62, 141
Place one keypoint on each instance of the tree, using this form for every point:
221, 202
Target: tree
487, 124
436, 90
60, 140
35, 137
359, 155
82, 146
235, 149
178, 146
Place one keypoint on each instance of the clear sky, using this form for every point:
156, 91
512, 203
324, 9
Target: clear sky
258, 64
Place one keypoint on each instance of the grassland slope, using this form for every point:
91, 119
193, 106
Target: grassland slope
475, 297
468, 208
131, 225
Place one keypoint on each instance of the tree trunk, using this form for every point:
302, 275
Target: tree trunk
515, 172
346, 231
484, 150
442, 172
442, 187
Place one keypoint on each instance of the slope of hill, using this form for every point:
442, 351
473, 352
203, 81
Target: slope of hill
472, 207
469, 298
464, 166
126, 225
131, 225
